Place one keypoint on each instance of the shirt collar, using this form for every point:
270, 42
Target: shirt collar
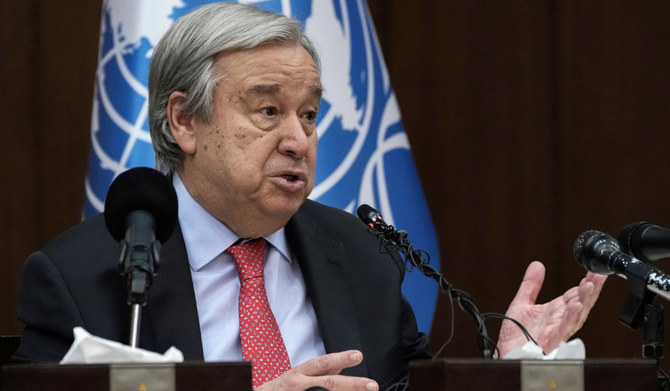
206, 237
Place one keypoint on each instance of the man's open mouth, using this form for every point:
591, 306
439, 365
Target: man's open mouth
290, 177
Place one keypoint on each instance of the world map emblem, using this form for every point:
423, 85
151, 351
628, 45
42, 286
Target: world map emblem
364, 155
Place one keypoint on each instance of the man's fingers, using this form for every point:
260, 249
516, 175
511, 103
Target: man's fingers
331, 364
589, 290
323, 371
579, 301
345, 383
589, 296
531, 284
573, 319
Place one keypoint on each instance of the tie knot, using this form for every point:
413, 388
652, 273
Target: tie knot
249, 258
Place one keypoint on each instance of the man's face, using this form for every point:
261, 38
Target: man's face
253, 165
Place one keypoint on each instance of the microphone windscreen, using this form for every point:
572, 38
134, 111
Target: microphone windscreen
141, 188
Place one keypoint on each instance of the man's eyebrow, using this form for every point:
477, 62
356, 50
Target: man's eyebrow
273, 89
264, 89
316, 91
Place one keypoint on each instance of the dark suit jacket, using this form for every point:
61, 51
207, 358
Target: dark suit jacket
353, 282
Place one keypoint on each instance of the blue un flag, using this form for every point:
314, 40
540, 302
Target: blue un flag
363, 157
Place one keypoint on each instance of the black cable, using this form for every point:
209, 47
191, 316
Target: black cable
401, 385
418, 258
397, 241
451, 332
496, 315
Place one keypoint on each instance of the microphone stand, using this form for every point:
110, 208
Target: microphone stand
137, 288
652, 341
640, 310
138, 264
396, 240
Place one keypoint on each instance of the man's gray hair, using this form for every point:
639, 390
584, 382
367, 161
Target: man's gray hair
184, 60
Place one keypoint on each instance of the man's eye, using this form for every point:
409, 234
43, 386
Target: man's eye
310, 115
269, 111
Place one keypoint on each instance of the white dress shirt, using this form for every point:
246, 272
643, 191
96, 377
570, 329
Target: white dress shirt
217, 286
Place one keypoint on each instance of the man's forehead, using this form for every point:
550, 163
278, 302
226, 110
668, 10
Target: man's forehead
270, 70
266, 55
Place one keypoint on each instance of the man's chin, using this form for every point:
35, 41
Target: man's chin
280, 210
285, 210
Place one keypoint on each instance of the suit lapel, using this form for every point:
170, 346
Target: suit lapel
328, 281
171, 314
170, 317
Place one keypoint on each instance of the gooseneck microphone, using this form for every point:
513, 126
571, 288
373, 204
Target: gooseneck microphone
600, 253
645, 241
140, 213
396, 240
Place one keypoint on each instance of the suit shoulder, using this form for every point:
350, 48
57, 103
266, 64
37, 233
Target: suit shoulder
339, 226
88, 237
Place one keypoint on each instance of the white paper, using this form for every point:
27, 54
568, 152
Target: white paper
89, 349
571, 350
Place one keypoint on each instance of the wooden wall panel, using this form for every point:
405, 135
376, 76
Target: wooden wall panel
18, 199
67, 53
613, 105
530, 123
473, 85
47, 75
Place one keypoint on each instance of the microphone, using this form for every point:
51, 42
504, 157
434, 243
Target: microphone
645, 241
397, 240
140, 213
600, 253
141, 188
370, 216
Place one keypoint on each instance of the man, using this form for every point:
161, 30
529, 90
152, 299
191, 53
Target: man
234, 95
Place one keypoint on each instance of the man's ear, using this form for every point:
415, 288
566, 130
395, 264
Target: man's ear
181, 123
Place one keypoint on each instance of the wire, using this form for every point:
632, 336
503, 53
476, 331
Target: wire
451, 332
401, 385
392, 240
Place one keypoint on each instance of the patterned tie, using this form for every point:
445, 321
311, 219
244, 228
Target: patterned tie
262, 343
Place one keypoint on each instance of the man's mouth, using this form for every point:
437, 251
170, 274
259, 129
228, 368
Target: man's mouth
290, 177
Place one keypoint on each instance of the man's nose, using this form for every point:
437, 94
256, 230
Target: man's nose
295, 137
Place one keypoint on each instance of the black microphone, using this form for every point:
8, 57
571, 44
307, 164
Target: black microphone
141, 188
369, 215
645, 241
140, 212
397, 240
600, 253
373, 218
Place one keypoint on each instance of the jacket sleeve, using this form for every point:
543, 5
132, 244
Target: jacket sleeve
48, 311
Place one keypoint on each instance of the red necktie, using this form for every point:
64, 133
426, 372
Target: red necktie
262, 343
